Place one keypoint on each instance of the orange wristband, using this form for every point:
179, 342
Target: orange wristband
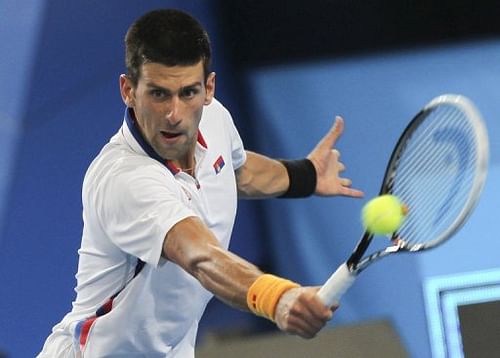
264, 294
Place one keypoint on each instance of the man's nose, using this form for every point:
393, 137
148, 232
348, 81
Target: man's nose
172, 114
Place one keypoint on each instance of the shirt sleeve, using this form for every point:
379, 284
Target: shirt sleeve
238, 153
140, 203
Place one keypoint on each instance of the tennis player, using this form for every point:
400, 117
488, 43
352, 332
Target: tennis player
159, 203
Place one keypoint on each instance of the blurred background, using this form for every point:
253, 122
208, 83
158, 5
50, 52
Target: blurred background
284, 70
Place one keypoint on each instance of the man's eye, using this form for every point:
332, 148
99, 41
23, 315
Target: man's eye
156, 93
190, 92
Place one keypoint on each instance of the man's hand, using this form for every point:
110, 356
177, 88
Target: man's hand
300, 311
328, 167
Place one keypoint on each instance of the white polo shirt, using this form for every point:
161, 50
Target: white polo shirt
131, 199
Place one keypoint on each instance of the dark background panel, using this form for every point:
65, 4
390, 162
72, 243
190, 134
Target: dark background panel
264, 32
480, 329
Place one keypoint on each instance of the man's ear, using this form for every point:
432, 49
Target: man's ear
210, 88
127, 91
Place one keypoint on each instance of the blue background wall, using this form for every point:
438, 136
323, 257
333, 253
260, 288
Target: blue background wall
59, 103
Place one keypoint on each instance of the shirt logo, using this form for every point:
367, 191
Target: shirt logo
219, 164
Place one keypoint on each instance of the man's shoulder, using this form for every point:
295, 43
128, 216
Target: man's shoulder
216, 109
117, 158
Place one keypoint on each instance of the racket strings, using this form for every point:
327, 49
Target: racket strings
430, 164
438, 159
428, 212
425, 137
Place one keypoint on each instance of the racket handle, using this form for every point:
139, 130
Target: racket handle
336, 285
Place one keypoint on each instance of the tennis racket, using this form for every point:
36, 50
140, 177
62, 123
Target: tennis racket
437, 169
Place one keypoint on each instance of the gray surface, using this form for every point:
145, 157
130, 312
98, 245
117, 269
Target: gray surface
372, 339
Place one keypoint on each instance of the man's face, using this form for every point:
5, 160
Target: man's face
168, 104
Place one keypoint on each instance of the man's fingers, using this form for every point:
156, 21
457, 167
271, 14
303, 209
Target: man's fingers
353, 193
337, 129
335, 132
306, 325
346, 182
302, 313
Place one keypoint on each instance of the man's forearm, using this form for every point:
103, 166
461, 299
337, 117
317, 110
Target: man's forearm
192, 246
261, 177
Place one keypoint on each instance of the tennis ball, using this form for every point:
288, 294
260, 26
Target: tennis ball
383, 215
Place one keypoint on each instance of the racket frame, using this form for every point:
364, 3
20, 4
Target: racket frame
338, 283
356, 263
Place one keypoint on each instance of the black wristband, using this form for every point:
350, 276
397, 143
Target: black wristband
302, 178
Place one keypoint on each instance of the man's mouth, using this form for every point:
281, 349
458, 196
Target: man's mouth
170, 135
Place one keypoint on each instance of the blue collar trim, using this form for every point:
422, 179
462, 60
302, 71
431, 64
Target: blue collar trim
131, 124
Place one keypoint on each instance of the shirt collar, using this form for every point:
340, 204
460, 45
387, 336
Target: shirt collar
130, 121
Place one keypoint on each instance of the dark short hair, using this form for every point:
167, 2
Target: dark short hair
170, 37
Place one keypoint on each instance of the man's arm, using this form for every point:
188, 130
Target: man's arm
192, 246
262, 177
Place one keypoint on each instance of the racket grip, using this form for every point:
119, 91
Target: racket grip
336, 285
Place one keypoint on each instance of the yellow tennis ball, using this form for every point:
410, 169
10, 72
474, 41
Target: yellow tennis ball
383, 215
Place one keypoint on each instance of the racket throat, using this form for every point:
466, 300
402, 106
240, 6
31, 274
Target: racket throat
359, 251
